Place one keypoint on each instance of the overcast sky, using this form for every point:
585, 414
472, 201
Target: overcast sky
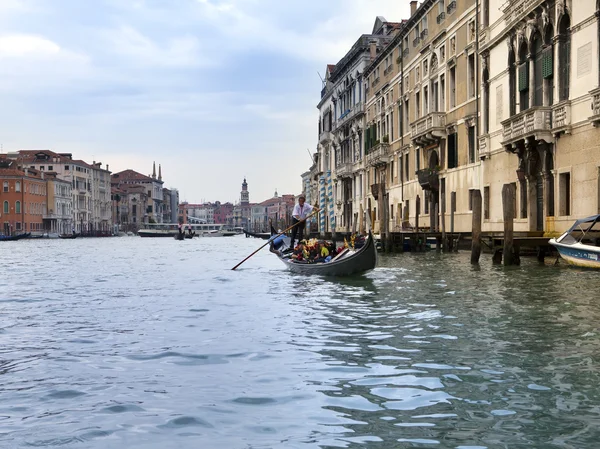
213, 90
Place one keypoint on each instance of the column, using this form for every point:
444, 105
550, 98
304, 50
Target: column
530, 58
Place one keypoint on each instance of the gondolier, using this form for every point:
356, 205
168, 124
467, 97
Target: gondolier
299, 214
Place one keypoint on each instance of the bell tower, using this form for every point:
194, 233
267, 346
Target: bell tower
245, 196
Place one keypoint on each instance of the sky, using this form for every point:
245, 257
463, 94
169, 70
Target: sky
213, 91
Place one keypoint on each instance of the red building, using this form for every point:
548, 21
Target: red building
222, 212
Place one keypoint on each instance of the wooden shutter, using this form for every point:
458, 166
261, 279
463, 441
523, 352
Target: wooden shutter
547, 62
524, 76
367, 137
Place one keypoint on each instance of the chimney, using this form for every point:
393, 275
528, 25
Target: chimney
107, 167
373, 49
413, 8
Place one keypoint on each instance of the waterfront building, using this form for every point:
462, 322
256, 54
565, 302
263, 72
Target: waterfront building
197, 213
130, 203
22, 198
154, 191
540, 107
222, 212
170, 204
338, 173
276, 210
100, 183
58, 218
81, 176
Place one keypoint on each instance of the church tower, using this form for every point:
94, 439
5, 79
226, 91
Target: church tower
245, 196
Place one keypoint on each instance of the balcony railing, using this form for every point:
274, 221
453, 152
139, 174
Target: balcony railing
440, 18
534, 122
595, 118
429, 129
348, 115
378, 155
325, 136
561, 117
344, 170
405, 52
451, 7
416, 41
424, 34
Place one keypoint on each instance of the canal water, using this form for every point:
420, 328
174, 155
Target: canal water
155, 343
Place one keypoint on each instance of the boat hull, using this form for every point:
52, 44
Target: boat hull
156, 233
578, 254
361, 261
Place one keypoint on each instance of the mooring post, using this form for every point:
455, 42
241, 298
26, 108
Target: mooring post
508, 207
418, 206
476, 231
443, 220
452, 210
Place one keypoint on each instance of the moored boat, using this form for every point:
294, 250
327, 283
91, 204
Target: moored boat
346, 263
12, 238
68, 236
580, 245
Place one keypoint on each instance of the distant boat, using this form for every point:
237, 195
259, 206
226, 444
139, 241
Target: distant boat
68, 236
580, 245
258, 235
12, 238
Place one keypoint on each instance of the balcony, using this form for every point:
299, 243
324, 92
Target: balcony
405, 52
595, 118
535, 122
429, 129
344, 170
441, 17
349, 114
451, 7
561, 117
424, 34
378, 155
484, 146
325, 137
429, 179
416, 41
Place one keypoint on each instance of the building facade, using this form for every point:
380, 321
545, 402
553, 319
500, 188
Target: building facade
153, 213
540, 112
58, 218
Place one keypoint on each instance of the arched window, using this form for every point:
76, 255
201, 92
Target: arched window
538, 78
523, 77
18, 186
564, 57
18, 207
512, 83
5, 186
6, 207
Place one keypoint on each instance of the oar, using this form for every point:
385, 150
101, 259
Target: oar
271, 239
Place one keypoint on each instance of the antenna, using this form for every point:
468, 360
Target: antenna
322, 80
311, 156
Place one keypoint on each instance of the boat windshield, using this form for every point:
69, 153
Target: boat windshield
585, 232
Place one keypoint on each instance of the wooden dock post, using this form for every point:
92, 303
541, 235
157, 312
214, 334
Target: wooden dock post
443, 221
476, 232
508, 207
452, 210
418, 208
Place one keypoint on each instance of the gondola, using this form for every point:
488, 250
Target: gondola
346, 263
68, 236
258, 235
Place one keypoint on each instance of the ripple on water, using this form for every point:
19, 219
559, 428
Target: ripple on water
186, 421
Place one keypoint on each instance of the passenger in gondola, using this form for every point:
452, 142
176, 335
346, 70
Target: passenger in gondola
321, 252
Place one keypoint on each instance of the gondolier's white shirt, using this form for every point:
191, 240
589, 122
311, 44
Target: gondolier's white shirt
301, 212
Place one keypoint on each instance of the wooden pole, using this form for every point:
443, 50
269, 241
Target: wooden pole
418, 209
508, 207
443, 220
452, 210
476, 231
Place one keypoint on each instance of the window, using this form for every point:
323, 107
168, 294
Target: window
406, 118
18, 226
486, 101
564, 57
50, 167
523, 78
471, 136
486, 13
512, 84
442, 93
417, 105
486, 203
523, 198
538, 93
471, 199
471, 70
425, 101
452, 150
435, 106
417, 159
5, 208
5, 186
565, 194
452, 87
407, 176
18, 186
401, 169
18, 207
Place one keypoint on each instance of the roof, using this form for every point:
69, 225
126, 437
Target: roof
19, 173
131, 175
